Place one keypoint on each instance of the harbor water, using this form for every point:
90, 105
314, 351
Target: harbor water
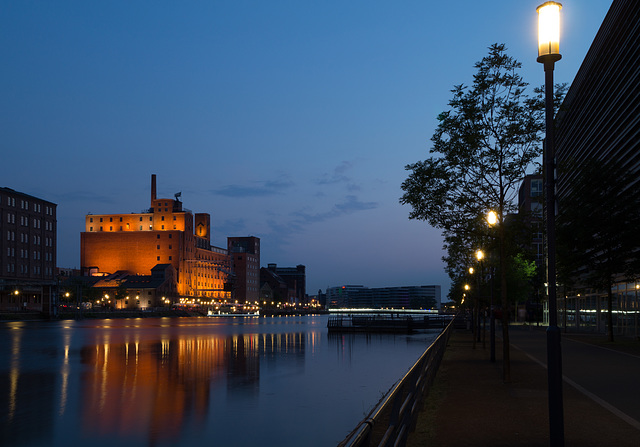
222, 381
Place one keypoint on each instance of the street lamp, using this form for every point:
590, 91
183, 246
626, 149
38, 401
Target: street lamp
548, 54
636, 312
480, 256
492, 218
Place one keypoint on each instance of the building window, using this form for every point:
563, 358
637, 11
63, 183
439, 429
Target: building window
169, 258
158, 247
158, 258
91, 219
536, 209
100, 228
101, 219
536, 188
163, 227
111, 219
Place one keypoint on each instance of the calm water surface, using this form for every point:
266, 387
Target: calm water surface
192, 381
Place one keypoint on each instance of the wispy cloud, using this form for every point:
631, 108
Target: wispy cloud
255, 189
350, 205
232, 227
340, 175
81, 196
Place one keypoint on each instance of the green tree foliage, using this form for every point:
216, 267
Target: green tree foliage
520, 274
599, 229
482, 148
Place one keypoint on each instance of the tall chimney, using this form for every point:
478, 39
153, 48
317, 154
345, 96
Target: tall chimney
153, 188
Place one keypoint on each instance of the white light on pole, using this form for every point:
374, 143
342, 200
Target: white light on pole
549, 31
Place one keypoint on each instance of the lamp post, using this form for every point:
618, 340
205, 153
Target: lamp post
480, 257
492, 219
636, 310
548, 54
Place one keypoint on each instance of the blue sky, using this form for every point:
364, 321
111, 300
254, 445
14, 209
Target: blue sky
287, 120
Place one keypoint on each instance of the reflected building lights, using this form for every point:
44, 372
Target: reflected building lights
14, 369
64, 373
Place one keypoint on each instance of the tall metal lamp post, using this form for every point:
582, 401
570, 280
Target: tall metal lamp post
492, 220
548, 54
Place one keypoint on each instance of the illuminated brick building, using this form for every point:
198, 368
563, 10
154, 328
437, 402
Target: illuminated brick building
166, 233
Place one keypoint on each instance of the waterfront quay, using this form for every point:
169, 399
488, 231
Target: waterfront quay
469, 405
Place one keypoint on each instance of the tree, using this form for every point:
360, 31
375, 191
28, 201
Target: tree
483, 146
598, 237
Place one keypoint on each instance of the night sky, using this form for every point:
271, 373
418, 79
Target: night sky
290, 120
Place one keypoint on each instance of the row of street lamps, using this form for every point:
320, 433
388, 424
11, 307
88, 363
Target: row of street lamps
548, 55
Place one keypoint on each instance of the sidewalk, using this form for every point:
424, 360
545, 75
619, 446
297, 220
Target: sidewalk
469, 405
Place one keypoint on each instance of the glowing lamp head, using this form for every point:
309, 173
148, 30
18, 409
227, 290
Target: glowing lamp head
492, 218
471, 270
479, 255
549, 32
466, 287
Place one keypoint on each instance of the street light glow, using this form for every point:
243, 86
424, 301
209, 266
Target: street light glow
549, 30
479, 255
492, 218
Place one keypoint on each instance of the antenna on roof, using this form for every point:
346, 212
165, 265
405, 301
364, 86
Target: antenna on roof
178, 194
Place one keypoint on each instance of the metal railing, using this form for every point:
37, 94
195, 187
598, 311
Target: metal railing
390, 422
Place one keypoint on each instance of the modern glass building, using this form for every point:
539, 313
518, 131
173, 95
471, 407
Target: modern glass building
600, 120
408, 297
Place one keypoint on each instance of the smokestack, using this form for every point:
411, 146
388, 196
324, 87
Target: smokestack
153, 188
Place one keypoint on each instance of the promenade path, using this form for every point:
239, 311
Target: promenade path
469, 405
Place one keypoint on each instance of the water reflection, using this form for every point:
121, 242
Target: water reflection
160, 382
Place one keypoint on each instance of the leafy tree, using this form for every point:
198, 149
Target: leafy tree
598, 222
483, 146
520, 274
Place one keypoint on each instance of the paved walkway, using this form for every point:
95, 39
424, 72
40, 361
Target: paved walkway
469, 404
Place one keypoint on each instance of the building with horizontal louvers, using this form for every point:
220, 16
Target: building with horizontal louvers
600, 120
